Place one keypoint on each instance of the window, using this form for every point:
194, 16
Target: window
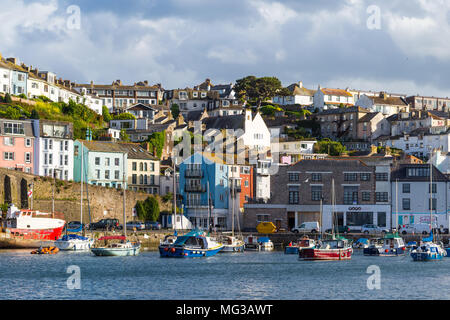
117, 161
434, 202
365, 196
364, 176
316, 193
293, 176
406, 188
381, 196
107, 162
134, 166
406, 204
8, 141
50, 158
117, 174
8, 155
97, 161
141, 166
351, 195
262, 218
27, 157
106, 174
293, 194
66, 160
13, 128
418, 172
350, 176
66, 145
382, 219
134, 179
316, 177
97, 174
359, 218
434, 188
381, 176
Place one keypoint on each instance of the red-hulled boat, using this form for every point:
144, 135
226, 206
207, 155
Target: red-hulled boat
30, 229
333, 249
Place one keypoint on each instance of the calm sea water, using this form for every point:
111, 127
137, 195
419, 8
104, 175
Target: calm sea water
251, 275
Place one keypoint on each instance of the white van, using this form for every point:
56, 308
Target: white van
312, 226
416, 228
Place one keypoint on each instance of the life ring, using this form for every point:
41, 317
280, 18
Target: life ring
343, 254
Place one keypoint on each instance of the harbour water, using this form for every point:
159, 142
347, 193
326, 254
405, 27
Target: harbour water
251, 275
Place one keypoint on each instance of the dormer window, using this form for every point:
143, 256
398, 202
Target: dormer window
203, 94
195, 94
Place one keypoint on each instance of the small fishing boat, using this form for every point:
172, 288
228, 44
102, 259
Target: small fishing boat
46, 250
337, 248
361, 243
428, 250
392, 246
193, 244
167, 242
304, 243
232, 244
115, 246
265, 244
251, 243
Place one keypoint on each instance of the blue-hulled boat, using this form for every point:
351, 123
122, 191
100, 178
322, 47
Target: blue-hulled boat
192, 245
428, 250
303, 243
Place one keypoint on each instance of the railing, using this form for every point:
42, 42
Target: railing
193, 173
194, 188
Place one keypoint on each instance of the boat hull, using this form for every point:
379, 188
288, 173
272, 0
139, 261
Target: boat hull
29, 238
382, 252
118, 252
326, 254
291, 250
252, 247
74, 245
425, 256
183, 252
232, 248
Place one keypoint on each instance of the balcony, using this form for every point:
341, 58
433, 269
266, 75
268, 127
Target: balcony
193, 174
194, 188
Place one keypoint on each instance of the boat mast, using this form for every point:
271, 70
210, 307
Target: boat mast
232, 209
81, 187
207, 195
320, 217
396, 205
431, 194
332, 209
124, 200
174, 226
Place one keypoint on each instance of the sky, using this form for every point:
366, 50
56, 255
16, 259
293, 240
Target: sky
399, 46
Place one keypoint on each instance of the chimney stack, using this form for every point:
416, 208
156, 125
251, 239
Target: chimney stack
12, 60
300, 84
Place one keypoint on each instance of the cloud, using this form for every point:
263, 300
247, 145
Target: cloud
180, 43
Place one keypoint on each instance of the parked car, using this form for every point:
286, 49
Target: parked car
152, 225
416, 228
373, 229
312, 227
132, 225
339, 229
105, 224
74, 225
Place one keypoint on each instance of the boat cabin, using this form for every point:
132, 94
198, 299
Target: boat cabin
333, 244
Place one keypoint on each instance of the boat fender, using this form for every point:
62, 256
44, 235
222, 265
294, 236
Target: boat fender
343, 254
172, 250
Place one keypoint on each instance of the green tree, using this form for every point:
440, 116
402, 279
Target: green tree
333, 148
124, 116
257, 90
156, 141
106, 115
124, 136
140, 210
175, 109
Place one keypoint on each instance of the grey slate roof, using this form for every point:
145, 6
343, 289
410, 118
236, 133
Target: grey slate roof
400, 172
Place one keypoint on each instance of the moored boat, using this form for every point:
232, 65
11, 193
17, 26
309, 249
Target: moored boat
336, 248
232, 244
304, 243
392, 246
74, 242
251, 243
266, 244
191, 245
361, 243
30, 229
115, 246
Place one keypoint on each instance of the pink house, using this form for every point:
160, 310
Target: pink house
16, 145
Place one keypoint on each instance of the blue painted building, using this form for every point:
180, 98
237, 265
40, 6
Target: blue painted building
198, 174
